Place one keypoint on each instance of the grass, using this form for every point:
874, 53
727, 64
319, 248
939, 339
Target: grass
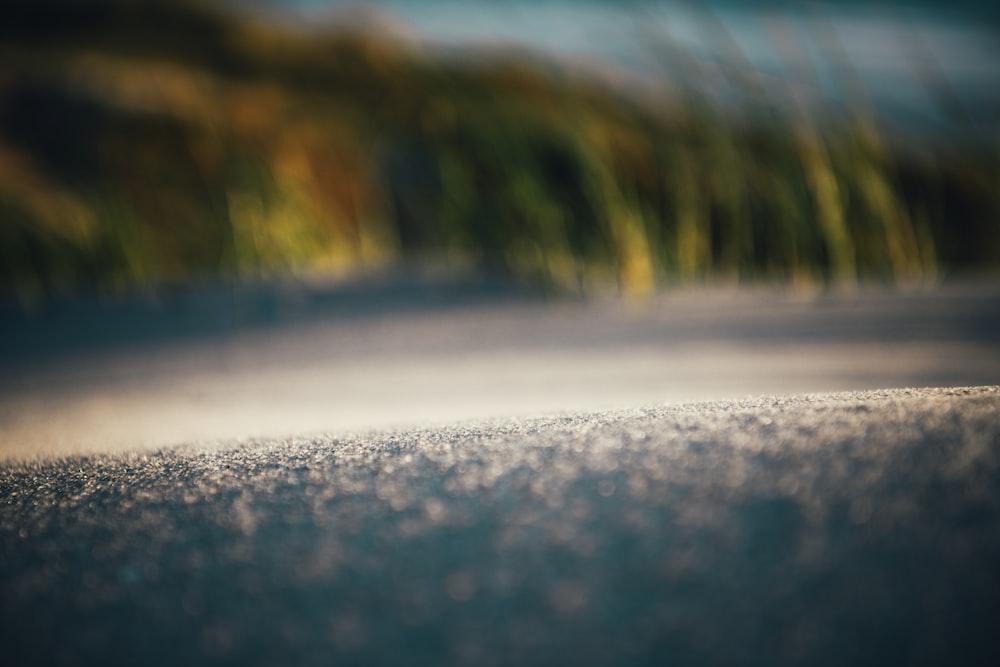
156, 143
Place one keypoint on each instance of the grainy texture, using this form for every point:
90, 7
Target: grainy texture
858, 528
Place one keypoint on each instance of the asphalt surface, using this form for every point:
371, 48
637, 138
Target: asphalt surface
853, 528
91, 377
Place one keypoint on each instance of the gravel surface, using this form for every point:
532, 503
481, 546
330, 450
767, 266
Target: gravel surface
855, 528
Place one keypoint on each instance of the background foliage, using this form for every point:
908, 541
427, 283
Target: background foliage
146, 143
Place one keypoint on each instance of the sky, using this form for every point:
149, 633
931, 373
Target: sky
905, 54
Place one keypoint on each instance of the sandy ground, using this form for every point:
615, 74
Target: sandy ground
857, 528
209, 366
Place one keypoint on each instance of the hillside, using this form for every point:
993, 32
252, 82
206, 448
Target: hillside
151, 143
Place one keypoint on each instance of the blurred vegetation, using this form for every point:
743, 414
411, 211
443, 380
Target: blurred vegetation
150, 143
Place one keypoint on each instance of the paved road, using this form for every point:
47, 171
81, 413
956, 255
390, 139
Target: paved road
856, 528
296, 359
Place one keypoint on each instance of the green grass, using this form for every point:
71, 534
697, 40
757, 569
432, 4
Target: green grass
175, 142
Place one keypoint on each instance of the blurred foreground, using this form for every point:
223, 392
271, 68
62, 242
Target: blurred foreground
148, 144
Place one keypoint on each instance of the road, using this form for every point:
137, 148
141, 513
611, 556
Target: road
215, 364
854, 528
